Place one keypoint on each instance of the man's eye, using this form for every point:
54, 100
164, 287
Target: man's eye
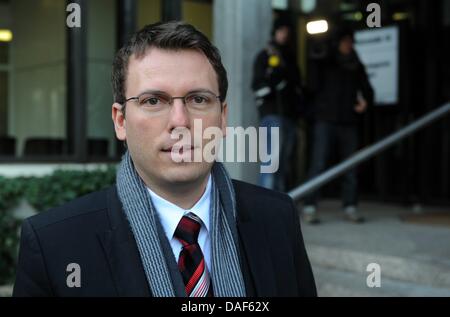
151, 101
197, 99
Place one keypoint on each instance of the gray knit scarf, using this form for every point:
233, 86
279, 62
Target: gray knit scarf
226, 275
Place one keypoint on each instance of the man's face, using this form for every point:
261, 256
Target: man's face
282, 35
148, 135
346, 45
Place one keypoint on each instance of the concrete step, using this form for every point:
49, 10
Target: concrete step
418, 254
427, 272
335, 283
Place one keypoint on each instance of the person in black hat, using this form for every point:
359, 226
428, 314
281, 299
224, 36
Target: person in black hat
277, 87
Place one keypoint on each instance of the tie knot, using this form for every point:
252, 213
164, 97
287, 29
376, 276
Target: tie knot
188, 229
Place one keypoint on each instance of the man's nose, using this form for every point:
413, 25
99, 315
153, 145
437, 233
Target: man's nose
179, 115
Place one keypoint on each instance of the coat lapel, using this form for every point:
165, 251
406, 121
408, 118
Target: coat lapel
256, 251
122, 253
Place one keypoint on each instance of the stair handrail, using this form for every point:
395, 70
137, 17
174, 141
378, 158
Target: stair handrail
368, 152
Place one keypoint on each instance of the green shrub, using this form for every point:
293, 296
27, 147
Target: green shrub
42, 193
62, 186
10, 192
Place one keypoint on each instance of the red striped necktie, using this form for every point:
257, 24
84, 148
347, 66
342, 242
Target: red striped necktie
191, 261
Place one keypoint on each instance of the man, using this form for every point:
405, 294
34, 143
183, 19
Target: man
277, 86
167, 228
343, 92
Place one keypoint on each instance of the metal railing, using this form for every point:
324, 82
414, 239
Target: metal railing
368, 152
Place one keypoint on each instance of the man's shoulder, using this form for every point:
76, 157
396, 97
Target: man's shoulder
84, 206
249, 195
263, 205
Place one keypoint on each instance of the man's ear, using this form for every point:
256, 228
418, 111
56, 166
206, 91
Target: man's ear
119, 120
224, 119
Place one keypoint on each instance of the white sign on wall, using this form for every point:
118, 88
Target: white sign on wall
378, 50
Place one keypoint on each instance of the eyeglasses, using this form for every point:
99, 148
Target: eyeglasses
196, 102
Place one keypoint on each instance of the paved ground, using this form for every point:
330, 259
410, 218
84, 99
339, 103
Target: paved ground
414, 258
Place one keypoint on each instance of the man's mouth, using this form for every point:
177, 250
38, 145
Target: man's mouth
178, 149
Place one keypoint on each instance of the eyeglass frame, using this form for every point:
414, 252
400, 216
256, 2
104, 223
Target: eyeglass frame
172, 98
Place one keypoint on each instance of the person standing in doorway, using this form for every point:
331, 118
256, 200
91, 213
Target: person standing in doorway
342, 95
277, 87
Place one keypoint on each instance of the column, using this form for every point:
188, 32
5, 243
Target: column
241, 29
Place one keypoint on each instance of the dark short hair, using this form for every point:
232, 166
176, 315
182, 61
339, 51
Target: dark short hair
173, 35
281, 22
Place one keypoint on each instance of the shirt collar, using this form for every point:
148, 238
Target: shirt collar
171, 214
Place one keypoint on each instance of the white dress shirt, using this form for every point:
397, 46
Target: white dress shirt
170, 215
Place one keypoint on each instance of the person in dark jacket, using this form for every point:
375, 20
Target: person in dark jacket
277, 87
167, 227
342, 94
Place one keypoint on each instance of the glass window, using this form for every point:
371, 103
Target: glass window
199, 14
4, 51
148, 12
35, 122
101, 47
3, 103
7, 144
36, 110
